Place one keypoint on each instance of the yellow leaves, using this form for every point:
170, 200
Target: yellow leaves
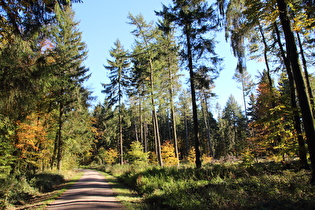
191, 156
304, 24
50, 60
168, 154
111, 156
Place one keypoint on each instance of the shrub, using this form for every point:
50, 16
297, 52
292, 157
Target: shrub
191, 156
15, 190
168, 154
222, 186
110, 156
46, 182
136, 155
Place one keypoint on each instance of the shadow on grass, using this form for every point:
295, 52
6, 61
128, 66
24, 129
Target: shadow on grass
267, 185
50, 186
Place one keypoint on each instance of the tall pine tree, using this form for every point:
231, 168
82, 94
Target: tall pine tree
119, 83
195, 19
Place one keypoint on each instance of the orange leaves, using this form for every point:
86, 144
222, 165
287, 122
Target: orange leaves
31, 135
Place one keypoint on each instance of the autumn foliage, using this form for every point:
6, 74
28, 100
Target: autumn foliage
32, 142
168, 154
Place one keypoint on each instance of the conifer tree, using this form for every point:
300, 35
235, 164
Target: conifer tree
119, 82
169, 63
145, 70
185, 121
194, 19
69, 72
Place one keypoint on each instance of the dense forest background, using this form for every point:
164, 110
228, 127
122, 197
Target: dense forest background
149, 114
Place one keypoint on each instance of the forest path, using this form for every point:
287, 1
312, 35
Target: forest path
91, 191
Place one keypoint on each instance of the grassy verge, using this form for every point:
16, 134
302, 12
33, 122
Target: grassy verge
224, 186
129, 198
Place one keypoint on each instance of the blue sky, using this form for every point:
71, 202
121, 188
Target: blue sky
102, 22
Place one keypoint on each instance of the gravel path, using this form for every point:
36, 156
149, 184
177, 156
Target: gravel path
91, 191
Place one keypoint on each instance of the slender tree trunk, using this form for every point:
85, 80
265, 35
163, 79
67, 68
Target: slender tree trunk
205, 119
141, 123
307, 78
307, 114
60, 140
296, 116
193, 99
54, 155
136, 131
266, 57
154, 118
120, 139
273, 103
173, 116
186, 133
145, 139
244, 100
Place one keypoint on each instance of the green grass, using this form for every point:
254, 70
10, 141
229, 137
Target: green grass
220, 186
129, 198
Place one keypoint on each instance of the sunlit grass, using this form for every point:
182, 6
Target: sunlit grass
129, 198
220, 186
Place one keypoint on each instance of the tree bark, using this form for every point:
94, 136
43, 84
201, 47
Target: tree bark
307, 78
296, 116
307, 114
120, 139
154, 118
173, 117
60, 140
186, 133
205, 119
193, 99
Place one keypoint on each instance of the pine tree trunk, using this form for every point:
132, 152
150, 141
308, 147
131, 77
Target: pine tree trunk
60, 140
296, 116
307, 115
145, 139
54, 155
307, 78
193, 100
120, 139
173, 117
154, 118
205, 116
186, 133
273, 103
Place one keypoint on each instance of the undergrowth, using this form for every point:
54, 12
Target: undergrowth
220, 186
18, 190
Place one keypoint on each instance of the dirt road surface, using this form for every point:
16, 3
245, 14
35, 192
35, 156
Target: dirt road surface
91, 191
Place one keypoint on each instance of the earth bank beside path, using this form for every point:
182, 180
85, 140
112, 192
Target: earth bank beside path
91, 191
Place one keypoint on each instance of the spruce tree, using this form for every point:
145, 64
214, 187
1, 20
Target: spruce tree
146, 72
69, 72
194, 19
119, 83
168, 57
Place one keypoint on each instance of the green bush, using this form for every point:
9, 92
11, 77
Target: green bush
46, 182
136, 156
17, 190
